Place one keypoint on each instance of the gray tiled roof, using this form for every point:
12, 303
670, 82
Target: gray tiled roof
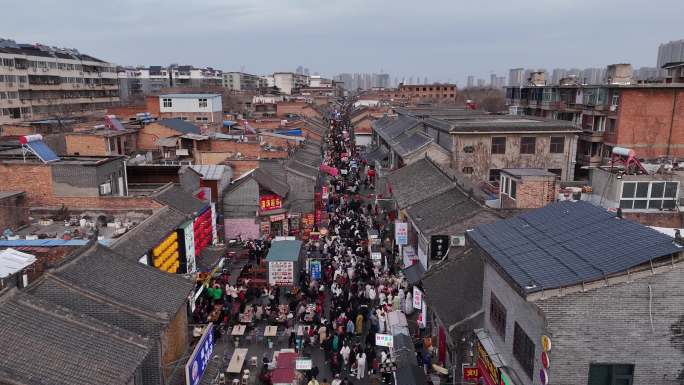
59, 292
567, 243
411, 143
148, 234
462, 272
443, 210
182, 201
301, 168
417, 182
179, 125
379, 154
44, 344
268, 181
497, 123
103, 272
389, 128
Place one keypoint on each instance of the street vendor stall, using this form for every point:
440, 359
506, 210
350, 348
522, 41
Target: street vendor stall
283, 261
285, 369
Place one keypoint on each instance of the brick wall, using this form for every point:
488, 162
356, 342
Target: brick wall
531, 193
149, 134
658, 219
296, 108
482, 160
13, 212
638, 323
152, 105
211, 157
126, 113
271, 124
647, 126
246, 149
36, 181
278, 142
12, 130
86, 145
242, 166
175, 341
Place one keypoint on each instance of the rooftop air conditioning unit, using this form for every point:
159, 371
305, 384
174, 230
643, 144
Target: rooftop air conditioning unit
457, 240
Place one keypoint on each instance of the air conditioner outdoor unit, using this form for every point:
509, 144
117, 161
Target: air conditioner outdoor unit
613, 107
457, 240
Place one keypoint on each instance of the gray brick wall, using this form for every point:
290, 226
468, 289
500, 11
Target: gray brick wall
526, 314
605, 325
613, 325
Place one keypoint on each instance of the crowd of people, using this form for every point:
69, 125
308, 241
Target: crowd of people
355, 293
340, 310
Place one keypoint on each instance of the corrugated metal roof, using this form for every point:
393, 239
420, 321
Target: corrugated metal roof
211, 171
567, 243
13, 261
43, 242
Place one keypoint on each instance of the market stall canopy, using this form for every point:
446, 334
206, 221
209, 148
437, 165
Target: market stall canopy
285, 250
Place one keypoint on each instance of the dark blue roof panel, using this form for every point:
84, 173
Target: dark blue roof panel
566, 243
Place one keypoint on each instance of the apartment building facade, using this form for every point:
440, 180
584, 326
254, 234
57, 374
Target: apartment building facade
648, 118
140, 81
240, 81
41, 82
196, 108
289, 82
428, 93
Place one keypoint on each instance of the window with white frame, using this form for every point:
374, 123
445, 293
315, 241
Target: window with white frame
106, 188
649, 195
167, 103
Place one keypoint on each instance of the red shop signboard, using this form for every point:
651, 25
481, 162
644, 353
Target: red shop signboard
270, 202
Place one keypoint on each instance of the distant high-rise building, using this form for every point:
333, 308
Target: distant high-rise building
593, 75
299, 70
500, 82
492, 80
516, 77
471, 81
557, 74
480, 83
425, 80
410, 81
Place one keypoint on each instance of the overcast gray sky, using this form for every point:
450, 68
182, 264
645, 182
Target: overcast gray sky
441, 39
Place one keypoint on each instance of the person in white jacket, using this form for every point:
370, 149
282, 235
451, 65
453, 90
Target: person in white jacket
361, 365
345, 352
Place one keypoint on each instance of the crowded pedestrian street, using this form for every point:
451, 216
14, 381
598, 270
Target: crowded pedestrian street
338, 318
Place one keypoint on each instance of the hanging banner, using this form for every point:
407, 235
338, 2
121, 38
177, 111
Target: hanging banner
417, 298
401, 233
315, 268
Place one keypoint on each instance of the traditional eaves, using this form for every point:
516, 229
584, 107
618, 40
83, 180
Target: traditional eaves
43, 344
148, 234
269, 182
417, 182
174, 196
101, 271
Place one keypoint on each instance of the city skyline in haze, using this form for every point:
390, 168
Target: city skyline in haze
447, 41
